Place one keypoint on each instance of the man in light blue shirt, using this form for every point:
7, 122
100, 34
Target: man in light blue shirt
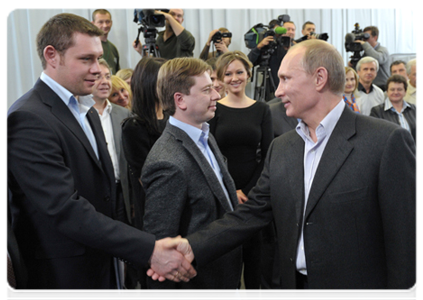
185, 177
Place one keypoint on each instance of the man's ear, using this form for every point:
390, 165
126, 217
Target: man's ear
51, 56
321, 78
179, 101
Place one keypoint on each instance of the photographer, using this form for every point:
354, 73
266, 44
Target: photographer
276, 58
175, 40
221, 44
373, 48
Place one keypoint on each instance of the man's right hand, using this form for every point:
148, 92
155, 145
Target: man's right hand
265, 42
171, 259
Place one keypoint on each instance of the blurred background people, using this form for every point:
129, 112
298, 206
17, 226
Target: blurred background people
369, 94
410, 97
126, 75
243, 130
350, 92
139, 133
220, 43
398, 68
218, 85
121, 92
103, 20
395, 108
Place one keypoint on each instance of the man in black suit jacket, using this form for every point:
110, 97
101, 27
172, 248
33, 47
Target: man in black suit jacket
341, 188
185, 178
63, 200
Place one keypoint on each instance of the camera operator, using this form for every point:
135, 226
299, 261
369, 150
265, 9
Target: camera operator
308, 28
221, 43
276, 58
175, 40
373, 48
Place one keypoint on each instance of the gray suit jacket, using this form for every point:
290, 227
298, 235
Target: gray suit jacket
360, 219
183, 195
117, 115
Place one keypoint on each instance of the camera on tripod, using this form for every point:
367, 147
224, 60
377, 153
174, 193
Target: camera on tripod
148, 21
351, 46
218, 36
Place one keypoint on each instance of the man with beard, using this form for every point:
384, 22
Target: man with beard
175, 40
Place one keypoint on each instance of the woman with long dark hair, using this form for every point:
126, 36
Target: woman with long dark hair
140, 132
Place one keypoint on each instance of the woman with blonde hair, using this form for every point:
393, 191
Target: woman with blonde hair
350, 92
126, 75
121, 92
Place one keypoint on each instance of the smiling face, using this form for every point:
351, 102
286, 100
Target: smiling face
119, 95
200, 105
350, 82
218, 85
236, 77
396, 92
103, 85
104, 22
77, 69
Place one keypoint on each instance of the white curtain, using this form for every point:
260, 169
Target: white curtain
396, 26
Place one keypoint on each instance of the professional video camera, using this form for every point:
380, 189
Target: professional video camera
218, 36
148, 22
252, 38
319, 36
351, 46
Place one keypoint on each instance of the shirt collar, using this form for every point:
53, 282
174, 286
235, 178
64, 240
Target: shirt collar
362, 89
193, 132
86, 101
326, 126
389, 106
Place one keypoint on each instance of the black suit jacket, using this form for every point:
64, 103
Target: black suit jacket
63, 197
359, 223
184, 195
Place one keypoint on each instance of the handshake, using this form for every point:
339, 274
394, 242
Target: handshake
171, 259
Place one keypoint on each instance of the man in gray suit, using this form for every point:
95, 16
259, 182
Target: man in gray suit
185, 177
341, 188
111, 117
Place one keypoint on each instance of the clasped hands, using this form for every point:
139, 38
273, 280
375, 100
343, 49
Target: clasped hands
171, 259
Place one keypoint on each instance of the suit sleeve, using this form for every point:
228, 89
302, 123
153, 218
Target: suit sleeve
397, 200
164, 185
37, 164
235, 227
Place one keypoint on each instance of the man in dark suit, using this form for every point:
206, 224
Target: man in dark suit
60, 176
341, 188
185, 177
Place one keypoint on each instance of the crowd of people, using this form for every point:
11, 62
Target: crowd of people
169, 175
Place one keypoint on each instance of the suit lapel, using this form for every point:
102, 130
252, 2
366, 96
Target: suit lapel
62, 112
117, 130
336, 152
203, 164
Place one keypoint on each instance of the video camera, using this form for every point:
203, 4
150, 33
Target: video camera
148, 22
351, 46
218, 36
355, 35
319, 36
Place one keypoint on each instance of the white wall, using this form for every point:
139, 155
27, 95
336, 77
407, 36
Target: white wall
397, 33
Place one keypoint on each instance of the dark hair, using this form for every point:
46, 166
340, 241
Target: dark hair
144, 92
397, 79
396, 63
59, 32
212, 62
307, 23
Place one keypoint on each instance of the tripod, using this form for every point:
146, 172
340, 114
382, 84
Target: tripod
149, 48
267, 86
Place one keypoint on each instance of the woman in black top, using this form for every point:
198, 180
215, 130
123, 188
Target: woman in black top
243, 130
